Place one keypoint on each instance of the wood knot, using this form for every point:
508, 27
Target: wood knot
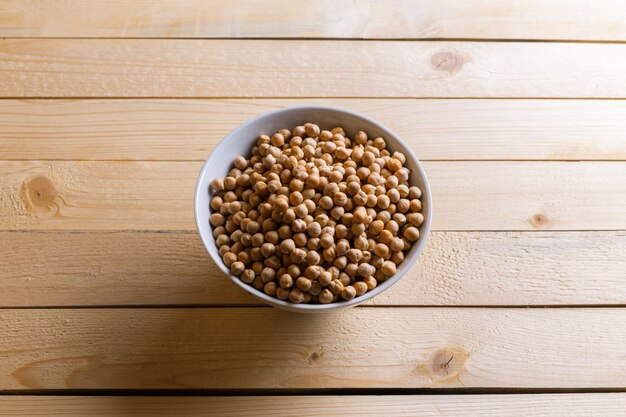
40, 195
447, 363
314, 357
447, 61
539, 220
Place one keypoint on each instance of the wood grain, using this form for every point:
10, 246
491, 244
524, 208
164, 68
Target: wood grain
523, 405
378, 19
135, 129
39, 195
269, 348
456, 268
250, 68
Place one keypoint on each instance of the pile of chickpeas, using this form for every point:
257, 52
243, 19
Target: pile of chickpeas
314, 216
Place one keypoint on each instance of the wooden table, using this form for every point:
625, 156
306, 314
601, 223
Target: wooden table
108, 109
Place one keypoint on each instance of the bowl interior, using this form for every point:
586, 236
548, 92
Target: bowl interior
241, 140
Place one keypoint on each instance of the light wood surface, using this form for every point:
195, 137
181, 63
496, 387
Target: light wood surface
456, 268
105, 284
250, 68
533, 405
263, 347
377, 19
182, 129
122, 195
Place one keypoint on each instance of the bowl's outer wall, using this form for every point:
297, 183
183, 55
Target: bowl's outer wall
241, 140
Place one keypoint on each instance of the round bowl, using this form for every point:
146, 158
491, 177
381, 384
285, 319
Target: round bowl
241, 140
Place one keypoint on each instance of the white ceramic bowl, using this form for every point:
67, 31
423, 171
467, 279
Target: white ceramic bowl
241, 140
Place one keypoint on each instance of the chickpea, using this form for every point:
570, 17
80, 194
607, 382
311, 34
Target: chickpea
414, 193
329, 254
314, 229
336, 287
411, 234
343, 246
360, 288
217, 219
287, 246
370, 282
313, 258
360, 198
394, 165
325, 135
416, 219
296, 198
326, 240
403, 190
344, 278
217, 184
278, 139
282, 293
340, 199
315, 289
270, 288
337, 212
381, 249
403, 205
285, 281
326, 202
312, 130
325, 278
268, 274
313, 244
229, 258
392, 226
397, 257
300, 239
268, 249
258, 283
348, 293
216, 202
340, 262
297, 256
326, 296
296, 296
303, 283
248, 276
366, 270
396, 244
222, 240
388, 268
351, 269
376, 227
383, 201
341, 231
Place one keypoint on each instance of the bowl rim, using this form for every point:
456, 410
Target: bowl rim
314, 308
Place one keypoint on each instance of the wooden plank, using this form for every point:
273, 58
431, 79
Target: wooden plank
456, 268
377, 19
249, 68
519, 405
183, 129
159, 195
355, 348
